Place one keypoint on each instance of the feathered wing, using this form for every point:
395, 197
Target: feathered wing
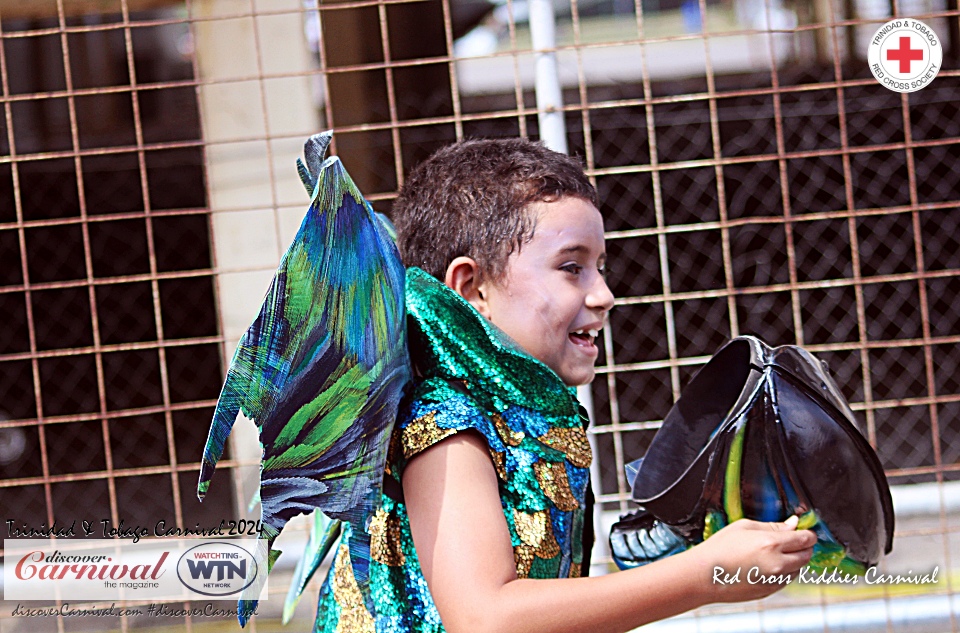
321, 369
324, 533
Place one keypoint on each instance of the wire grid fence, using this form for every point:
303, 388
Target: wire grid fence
786, 195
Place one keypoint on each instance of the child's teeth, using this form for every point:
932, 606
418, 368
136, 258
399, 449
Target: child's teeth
592, 333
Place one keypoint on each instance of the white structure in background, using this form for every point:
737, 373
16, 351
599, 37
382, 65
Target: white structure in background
879, 10
764, 15
484, 68
253, 129
481, 70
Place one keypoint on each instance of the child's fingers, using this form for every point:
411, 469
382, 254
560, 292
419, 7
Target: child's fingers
794, 540
799, 540
791, 524
793, 561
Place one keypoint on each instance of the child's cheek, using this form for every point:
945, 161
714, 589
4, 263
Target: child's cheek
548, 318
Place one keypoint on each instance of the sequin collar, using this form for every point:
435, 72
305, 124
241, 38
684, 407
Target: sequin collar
449, 339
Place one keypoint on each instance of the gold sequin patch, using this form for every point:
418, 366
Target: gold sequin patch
553, 481
422, 433
508, 435
354, 617
574, 570
573, 442
523, 555
500, 464
385, 546
393, 450
536, 531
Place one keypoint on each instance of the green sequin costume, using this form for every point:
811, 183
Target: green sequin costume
471, 377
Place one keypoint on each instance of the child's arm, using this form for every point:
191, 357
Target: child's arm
464, 549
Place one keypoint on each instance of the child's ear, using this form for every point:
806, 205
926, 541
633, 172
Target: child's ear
463, 277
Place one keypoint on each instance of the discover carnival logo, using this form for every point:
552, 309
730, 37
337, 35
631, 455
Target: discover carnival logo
151, 569
905, 55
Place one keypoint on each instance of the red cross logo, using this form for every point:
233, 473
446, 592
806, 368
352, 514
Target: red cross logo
905, 55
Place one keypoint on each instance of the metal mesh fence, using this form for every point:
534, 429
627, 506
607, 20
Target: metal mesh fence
110, 349
754, 178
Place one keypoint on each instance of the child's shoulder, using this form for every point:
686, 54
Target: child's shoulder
435, 409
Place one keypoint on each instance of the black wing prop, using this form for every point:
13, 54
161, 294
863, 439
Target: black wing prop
761, 433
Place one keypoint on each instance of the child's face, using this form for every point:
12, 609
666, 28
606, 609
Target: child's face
553, 298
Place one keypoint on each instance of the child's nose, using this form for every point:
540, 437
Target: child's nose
600, 296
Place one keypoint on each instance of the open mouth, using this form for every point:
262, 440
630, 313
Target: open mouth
583, 338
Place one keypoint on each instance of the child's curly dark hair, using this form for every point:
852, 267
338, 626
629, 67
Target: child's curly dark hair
471, 199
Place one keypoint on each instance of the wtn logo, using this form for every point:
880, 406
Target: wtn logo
218, 569
224, 568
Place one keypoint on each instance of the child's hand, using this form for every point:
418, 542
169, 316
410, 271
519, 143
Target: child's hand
748, 559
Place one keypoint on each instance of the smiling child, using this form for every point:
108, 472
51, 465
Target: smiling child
482, 526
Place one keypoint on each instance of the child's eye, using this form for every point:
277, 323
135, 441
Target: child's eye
606, 270
572, 268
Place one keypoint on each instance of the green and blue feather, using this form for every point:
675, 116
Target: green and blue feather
322, 368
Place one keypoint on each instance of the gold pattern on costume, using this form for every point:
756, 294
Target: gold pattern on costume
523, 555
508, 435
536, 531
499, 464
573, 442
354, 617
393, 450
552, 477
422, 433
549, 548
385, 546
574, 570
